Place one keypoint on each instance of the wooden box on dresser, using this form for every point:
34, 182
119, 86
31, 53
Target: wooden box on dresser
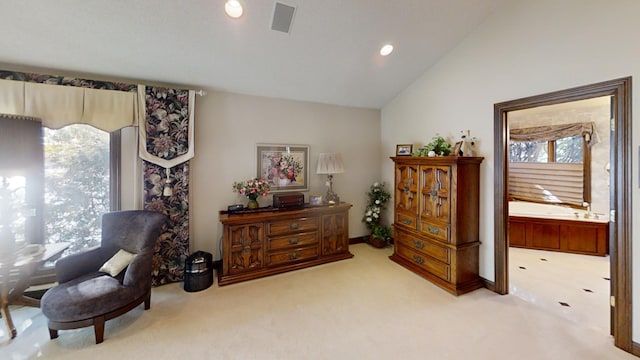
436, 219
263, 243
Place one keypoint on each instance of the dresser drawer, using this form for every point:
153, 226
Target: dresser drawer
425, 262
407, 221
285, 257
292, 225
297, 240
440, 232
424, 246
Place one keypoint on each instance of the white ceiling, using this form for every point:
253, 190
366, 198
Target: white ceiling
330, 55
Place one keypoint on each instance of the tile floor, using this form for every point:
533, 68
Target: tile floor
575, 287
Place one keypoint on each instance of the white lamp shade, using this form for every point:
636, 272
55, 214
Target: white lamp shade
330, 163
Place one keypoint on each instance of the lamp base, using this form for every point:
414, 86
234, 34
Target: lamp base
331, 198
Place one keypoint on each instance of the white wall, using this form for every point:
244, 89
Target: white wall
228, 127
527, 47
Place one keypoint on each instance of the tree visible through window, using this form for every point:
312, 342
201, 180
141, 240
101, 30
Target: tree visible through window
564, 150
77, 185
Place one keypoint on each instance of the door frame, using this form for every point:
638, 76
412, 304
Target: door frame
620, 192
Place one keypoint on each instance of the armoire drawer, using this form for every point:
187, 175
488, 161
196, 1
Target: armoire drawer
425, 262
426, 247
410, 222
437, 231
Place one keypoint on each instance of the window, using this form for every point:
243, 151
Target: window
57, 183
77, 184
547, 167
563, 150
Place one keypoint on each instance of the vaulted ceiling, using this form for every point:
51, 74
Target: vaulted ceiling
331, 55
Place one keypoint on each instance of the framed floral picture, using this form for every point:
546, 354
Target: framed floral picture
285, 167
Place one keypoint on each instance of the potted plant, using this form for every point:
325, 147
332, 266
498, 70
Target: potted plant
380, 236
377, 201
437, 147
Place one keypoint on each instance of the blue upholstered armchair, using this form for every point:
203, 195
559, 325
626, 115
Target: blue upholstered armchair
86, 293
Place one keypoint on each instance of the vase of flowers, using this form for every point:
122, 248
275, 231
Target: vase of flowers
377, 201
252, 188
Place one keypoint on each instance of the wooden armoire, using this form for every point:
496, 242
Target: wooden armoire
436, 219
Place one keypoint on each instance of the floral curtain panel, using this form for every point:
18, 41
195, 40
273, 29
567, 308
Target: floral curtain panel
166, 145
167, 123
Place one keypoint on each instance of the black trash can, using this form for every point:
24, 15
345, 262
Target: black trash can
198, 271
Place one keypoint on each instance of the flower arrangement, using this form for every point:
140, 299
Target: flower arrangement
378, 198
252, 188
283, 169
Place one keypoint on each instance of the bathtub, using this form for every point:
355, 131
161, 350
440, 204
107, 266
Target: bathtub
557, 228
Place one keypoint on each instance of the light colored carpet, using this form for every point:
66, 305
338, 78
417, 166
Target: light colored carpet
363, 308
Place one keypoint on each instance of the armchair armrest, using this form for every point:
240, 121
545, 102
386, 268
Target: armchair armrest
138, 272
75, 265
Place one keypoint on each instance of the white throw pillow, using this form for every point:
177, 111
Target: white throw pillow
117, 262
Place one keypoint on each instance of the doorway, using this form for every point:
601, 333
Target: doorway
620, 190
558, 189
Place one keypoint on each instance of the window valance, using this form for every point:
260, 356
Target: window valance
555, 132
58, 106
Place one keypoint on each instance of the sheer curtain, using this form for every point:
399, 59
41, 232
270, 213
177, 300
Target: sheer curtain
21, 177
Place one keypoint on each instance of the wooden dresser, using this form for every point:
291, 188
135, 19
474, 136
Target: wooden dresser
436, 219
264, 243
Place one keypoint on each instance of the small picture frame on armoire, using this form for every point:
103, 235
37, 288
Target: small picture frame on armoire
404, 149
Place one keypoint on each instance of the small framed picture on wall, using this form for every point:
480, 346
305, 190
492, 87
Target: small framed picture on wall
404, 149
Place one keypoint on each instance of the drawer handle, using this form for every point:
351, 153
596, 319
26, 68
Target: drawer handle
418, 244
293, 256
294, 240
433, 193
433, 230
294, 225
406, 221
418, 259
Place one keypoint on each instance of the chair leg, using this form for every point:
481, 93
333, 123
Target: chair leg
7, 318
53, 334
147, 302
98, 324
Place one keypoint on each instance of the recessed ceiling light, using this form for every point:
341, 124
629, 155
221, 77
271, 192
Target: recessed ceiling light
233, 8
386, 50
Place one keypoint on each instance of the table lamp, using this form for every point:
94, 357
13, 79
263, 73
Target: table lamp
330, 164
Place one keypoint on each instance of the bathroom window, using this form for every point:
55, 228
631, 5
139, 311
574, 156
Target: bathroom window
551, 164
